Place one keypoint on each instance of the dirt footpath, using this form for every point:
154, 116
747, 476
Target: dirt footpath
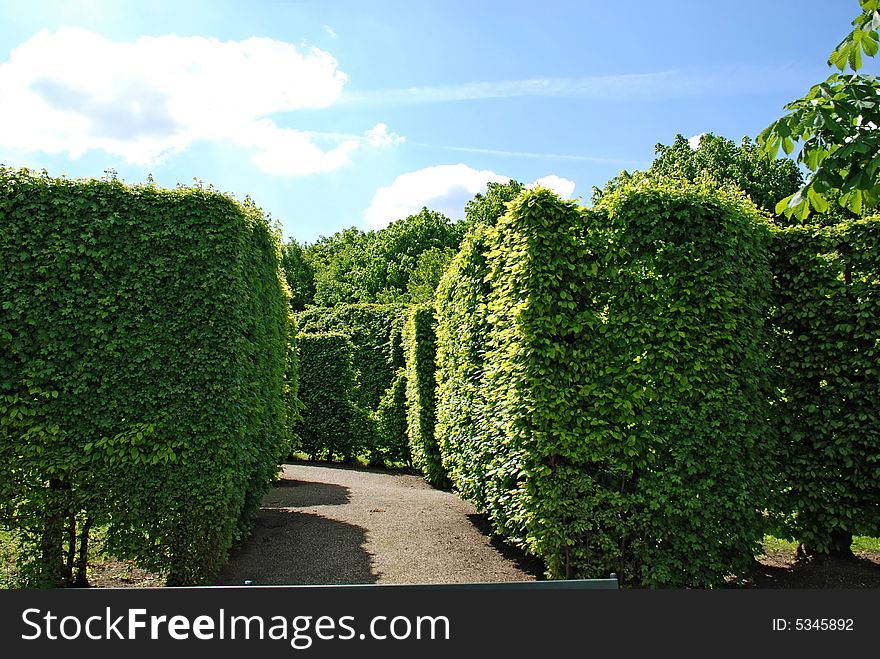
339, 525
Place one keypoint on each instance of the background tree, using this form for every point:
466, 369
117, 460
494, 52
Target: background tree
430, 266
763, 178
485, 209
354, 266
299, 273
836, 124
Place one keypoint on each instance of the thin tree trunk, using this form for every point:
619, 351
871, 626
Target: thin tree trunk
71, 549
82, 580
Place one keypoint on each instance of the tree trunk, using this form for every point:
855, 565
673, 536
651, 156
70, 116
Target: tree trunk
839, 547
51, 545
82, 565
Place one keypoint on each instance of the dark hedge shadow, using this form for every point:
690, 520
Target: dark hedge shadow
296, 548
847, 573
302, 494
529, 564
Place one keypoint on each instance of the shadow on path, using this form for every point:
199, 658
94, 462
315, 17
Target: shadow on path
525, 562
302, 494
818, 574
294, 548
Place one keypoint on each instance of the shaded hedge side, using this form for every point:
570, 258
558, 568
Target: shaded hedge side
391, 446
420, 342
374, 331
329, 424
827, 355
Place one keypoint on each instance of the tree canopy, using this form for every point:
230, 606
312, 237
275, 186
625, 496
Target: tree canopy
399, 263
763, 178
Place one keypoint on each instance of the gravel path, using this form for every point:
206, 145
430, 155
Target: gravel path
339, 525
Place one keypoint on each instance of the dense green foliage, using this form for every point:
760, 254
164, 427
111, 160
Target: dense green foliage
461, 337
836, 124
299, 274
764, 179
376, 397
485, 209
419, 341
330, 418
390, 446
625, 380
145, 372
424, 279
827, 354
374, 331
354, 266
462, 333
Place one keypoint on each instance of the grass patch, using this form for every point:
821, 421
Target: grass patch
774, 545
9, 549
864, 543
104, 569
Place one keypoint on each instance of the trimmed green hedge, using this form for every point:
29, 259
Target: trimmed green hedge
146, 378
330, 419
374, 330
390, 446
419, 340
827, 352
620, 413
462, 418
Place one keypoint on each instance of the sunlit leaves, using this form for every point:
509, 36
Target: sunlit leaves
763, 178
836, 125
592, 365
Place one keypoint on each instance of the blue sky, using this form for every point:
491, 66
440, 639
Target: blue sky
338, 114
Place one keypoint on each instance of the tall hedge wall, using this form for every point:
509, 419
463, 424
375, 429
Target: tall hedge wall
462, 418
145, 368
624, 384
827, 354
327, 382
374, 330
419, 341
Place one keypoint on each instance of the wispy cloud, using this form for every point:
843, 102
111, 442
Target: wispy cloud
330, 31
628, 86
532, 154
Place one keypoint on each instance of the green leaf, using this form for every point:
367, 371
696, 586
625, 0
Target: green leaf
869, 43
782, 205
817, 200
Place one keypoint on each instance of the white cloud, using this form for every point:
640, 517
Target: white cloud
330, 31
561, 186
378, 136
74, 91
288, 152
442, 188
694, 141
